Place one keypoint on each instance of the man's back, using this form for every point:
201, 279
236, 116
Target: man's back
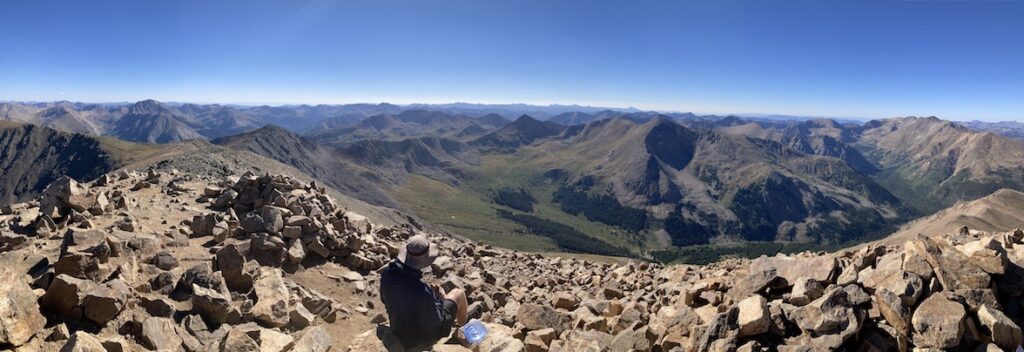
417, 317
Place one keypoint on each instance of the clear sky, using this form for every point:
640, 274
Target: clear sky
860, 58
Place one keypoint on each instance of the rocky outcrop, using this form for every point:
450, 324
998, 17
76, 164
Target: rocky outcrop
19, 314
215, 281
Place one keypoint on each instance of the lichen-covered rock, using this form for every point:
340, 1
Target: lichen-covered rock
212, 305
535, 317
938, 322
953, 269
805, 290
894, 310
272, 306
160, 334
314, 339
827, 322
1002, 329
20, 319
753, 316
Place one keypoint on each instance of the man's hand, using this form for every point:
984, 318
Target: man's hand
438, 291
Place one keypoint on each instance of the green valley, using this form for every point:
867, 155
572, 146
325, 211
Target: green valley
469, 209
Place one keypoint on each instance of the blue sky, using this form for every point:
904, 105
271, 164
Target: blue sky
954, 59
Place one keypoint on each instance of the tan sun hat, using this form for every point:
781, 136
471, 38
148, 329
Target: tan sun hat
418, 252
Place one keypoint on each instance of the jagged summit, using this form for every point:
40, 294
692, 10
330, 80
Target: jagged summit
153, 122
270, 131
57, 111
523, 131
526, 120
493, 120
147, 107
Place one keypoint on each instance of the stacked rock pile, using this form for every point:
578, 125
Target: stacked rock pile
101, 282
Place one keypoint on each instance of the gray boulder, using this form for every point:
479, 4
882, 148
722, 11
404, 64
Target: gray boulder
938, 322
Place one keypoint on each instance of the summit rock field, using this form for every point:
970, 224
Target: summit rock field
168, 261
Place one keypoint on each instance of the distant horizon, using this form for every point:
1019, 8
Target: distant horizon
761, 115
551, 104
962, 60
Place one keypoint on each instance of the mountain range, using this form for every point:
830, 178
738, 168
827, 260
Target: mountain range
408, 124
158, 122
630, 180
715, 184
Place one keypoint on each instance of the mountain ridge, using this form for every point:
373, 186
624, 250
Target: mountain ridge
687, 179
712, 173
318, 161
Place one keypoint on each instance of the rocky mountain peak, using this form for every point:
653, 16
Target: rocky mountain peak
57, 111
526, 120
730, 120
273, 130
423, 116
148, 107
492, 119
523, 131
659, 120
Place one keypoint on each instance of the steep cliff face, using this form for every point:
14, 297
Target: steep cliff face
32, 156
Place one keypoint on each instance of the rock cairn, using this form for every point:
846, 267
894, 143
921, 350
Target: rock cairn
221, 278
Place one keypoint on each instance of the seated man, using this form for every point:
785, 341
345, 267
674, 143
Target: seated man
419, 314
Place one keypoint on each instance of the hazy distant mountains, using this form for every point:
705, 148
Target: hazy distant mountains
408, 124
1012, 129
157, 122
630, 178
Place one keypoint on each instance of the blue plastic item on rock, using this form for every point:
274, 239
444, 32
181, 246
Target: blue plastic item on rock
474, 331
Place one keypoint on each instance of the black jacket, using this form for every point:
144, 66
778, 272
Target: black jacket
417, 316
